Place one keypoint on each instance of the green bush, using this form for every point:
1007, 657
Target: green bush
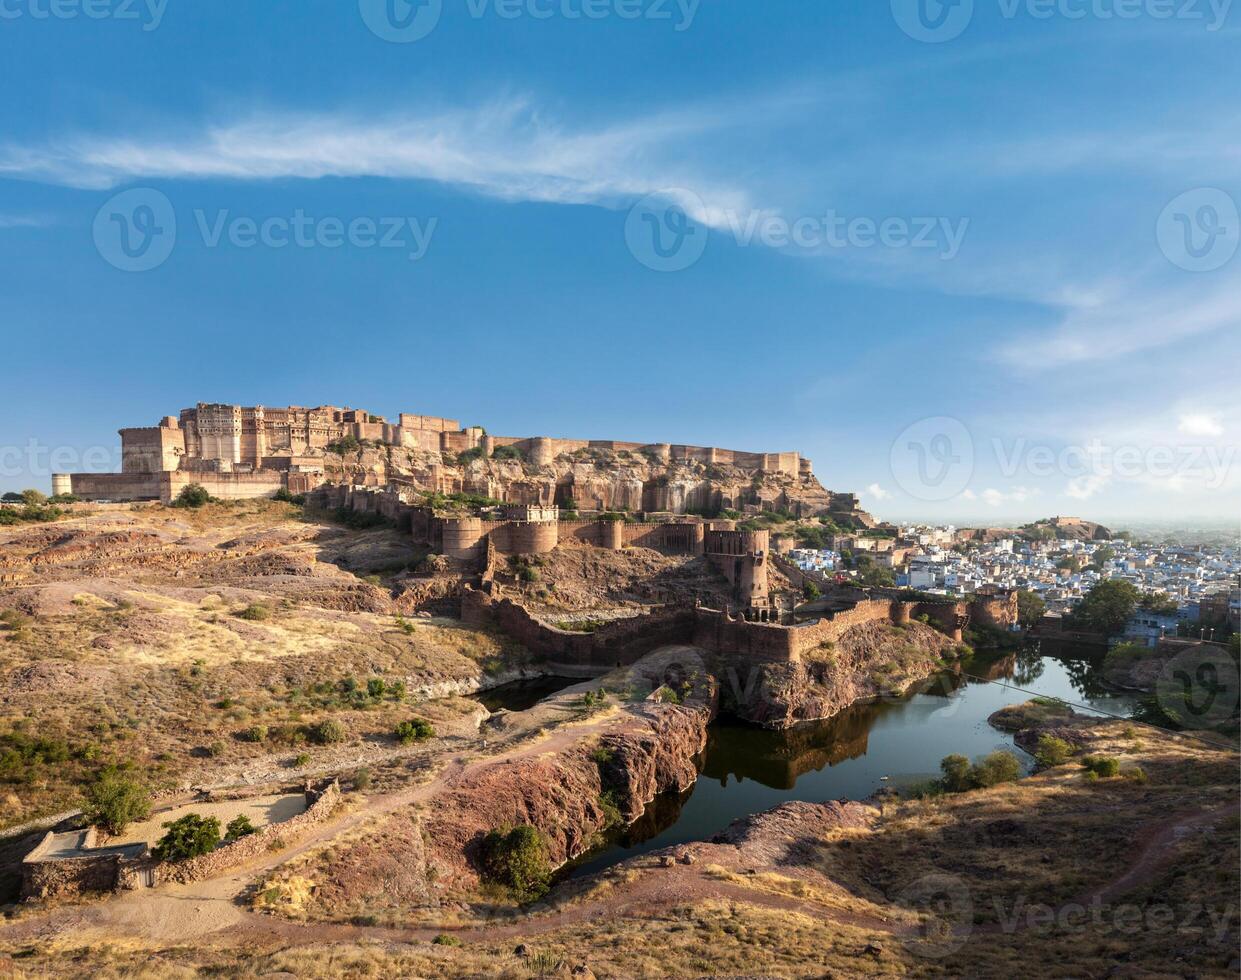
517, 858
1052, 751
301, 759
956, 773
959, 775
1103, 766
376, 688
414, 730
255, 612
445, 940
328, 732
239, 827
193, 496
116, 800
255, 733
996, 768
349, 444
285, 496
611, 809
188, 837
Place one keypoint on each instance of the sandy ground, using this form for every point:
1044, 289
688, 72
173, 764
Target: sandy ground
261, 811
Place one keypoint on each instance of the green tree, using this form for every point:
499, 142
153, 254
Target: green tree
1159, 604
33, 498
115, 800
1106, 607
517, 858
811, 591
1030, 607
998, 767
956, 772
188, 837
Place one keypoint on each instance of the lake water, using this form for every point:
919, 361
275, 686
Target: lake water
891, 742
520, 695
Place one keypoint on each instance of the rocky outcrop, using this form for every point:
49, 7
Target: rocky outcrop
869, 660
562, 793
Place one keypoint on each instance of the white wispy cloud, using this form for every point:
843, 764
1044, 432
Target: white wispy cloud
1199, 424
506, 150
1111, 322
1085, 487
24, 221
878, 492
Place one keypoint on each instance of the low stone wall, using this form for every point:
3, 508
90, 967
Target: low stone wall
69, 877
619, 643
272, 837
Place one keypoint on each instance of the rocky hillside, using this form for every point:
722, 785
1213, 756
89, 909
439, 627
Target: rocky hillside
599, 479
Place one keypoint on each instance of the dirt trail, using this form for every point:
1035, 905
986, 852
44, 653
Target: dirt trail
202, 908
1157, 848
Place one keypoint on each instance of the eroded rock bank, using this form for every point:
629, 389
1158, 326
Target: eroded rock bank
869, 660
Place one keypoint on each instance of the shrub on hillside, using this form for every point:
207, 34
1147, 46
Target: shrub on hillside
1052, 751
193, 496
1103, 766
517, 858
414, 730
960, 775
996, 768
328, 732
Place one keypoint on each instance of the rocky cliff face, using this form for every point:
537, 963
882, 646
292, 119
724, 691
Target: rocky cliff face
599, 479
870, 660
562, 793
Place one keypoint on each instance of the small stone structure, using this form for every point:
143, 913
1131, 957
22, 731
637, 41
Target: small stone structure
71, 864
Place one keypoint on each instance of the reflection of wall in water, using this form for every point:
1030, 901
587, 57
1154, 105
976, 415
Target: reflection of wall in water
779, 758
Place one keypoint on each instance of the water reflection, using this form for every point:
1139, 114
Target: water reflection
889, 742
522, 695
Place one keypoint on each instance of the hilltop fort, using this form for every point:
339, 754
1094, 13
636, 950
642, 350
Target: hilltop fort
237, 452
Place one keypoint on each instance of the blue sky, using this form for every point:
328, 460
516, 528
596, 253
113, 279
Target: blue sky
953, 271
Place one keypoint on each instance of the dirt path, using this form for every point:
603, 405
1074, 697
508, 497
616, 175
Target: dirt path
200, 909
1157, 847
